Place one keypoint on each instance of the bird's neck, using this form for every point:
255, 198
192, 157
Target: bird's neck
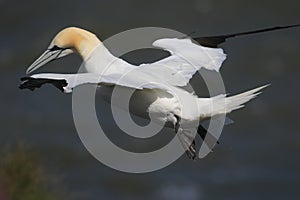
85, 44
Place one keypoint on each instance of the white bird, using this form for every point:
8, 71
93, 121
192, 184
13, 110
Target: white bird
158, 92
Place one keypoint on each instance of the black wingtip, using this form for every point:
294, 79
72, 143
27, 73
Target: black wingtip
28, 83
33, 83
215, 41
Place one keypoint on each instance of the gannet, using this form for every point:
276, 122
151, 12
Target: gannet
157, 84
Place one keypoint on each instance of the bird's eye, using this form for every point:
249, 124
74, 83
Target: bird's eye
55, 48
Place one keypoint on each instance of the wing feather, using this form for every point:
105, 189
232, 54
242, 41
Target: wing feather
66, 82
185, 60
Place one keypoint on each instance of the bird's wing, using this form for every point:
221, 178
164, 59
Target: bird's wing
215, 41
66, 82
187, 57
185, 60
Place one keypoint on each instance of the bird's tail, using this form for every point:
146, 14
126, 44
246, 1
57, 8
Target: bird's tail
222, 105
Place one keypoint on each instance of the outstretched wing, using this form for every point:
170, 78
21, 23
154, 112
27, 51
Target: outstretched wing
185, 60
187, 57
215, 41
66, 82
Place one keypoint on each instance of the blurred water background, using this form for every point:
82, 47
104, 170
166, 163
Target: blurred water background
258, 157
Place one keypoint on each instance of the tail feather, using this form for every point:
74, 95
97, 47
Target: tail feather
238, 101
222, 105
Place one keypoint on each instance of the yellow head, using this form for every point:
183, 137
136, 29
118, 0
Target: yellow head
67, 41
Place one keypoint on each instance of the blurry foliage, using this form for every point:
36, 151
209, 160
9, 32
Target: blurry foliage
22, 177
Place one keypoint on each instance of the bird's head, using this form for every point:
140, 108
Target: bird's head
69, 40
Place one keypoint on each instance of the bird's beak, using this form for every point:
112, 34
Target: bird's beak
46, 57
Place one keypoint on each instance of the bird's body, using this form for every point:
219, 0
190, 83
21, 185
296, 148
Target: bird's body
155, 86
143, 102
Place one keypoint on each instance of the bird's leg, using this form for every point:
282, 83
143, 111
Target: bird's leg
187, 142
177, 123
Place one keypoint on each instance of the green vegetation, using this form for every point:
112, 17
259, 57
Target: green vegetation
22, 177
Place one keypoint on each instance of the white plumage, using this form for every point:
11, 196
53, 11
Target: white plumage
155, 82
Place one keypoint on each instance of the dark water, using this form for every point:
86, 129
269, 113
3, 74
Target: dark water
258, 157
